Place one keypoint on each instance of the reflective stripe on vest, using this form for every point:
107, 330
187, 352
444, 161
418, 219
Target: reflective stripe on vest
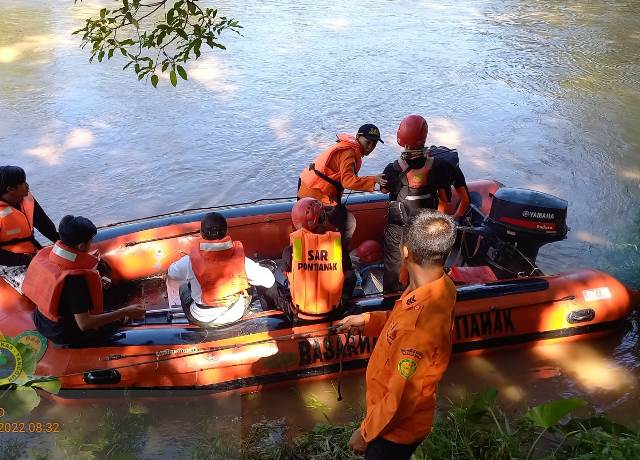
16, 226
65, 254
312, 180
44, 280
216, 246
219, 268
418, 197
316, 276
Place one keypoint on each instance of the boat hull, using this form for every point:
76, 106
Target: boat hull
265, 348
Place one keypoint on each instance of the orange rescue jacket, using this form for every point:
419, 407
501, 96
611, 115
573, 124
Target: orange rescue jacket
44, 280
219, 268
409, 358
16, 226
316, 276
338, 174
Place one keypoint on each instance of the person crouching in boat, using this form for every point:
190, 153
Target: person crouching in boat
414, 344
65, 283
216, 276
420, 179
335, 170
319, 278
20, 213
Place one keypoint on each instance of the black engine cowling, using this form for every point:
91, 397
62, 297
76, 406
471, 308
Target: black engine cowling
520, 213
519, 223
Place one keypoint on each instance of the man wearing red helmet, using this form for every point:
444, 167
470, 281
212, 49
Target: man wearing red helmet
420, 179
318, 277
335, 170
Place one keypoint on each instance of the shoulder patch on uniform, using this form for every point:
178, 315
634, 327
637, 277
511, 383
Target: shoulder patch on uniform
411, 352
407, 367
411, 300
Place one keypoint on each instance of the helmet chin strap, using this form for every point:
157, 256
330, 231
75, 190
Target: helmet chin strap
412, 154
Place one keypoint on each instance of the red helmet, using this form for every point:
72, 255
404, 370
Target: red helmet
307, 213
412, 133
369, 252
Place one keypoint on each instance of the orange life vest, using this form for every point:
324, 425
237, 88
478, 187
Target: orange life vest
330, 185
44, 280
219, 268
316, 276
16, 226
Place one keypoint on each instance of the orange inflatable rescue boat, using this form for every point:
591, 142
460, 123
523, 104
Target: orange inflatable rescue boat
503, 299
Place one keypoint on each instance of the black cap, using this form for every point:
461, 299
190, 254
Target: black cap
371, 132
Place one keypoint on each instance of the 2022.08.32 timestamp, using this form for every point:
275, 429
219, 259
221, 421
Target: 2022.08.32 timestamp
28, 427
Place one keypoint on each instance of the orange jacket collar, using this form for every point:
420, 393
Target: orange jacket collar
418, 297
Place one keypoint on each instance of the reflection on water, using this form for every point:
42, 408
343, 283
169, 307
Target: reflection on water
535, 94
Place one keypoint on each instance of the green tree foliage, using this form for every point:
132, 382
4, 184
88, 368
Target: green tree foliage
155, 37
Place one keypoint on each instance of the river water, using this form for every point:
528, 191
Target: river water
542, 94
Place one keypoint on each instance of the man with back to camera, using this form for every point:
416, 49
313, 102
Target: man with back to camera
320, 281
414, 344
216, 275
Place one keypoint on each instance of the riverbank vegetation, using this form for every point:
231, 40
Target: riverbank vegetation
472, 429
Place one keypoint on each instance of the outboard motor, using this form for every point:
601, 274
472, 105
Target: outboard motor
520, 222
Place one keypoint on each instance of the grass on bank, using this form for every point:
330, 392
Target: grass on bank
477, 429
473, 429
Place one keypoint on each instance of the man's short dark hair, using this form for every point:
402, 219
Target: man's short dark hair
11, 176
74, 230
429, 237
213, 226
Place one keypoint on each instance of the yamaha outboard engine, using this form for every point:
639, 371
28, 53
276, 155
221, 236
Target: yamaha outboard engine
520, 222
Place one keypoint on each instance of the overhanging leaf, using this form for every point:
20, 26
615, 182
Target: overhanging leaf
29, 356
549, 414
182, 72
48, 384
481, 403
19, 401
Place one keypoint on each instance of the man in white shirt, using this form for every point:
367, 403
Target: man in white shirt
216, 276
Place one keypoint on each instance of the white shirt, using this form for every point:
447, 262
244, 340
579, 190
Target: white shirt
182, 272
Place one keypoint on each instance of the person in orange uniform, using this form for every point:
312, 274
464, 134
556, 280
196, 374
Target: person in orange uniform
20, 213
335, 170
318, 277
414, 345
64, 281
421, 179
216, 276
